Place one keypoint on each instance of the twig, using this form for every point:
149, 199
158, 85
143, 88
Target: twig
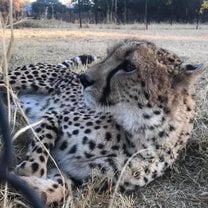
11, 42
121, 175
18, 22
5, 65
24, 129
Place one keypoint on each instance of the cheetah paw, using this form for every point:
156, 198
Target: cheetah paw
51, 192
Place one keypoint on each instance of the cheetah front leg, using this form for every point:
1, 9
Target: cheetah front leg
35, 163
52, 187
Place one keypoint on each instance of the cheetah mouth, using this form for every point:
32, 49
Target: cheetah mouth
105, 101
89, 99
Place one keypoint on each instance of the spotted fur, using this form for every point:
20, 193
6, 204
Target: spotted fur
137, 100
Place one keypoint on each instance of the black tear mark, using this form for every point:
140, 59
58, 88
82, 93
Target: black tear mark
107, 88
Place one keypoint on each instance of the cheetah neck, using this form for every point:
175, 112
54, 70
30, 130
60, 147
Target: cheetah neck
136, 120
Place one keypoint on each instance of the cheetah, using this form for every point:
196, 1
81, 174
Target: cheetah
135, 103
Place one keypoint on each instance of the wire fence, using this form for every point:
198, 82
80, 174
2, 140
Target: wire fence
5, 161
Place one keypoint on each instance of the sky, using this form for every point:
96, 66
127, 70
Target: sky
62, 1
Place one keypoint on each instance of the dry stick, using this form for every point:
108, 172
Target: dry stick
5, 195
13, 96
11, 43
7, 52
30, 126
4, 70
7, 56
120, 176
17, 104
18, 22
5, 66
14, 119
24, 129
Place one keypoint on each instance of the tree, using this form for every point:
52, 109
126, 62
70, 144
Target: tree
96, 11
4, 6
18, 7
146, 14
48, 9
204, 6
80, 13
124, 11
204, 10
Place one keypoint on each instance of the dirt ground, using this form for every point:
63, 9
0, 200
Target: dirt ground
186, 185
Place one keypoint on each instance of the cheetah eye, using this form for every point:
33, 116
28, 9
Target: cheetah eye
128, 67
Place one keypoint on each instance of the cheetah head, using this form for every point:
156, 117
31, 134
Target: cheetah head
136, 80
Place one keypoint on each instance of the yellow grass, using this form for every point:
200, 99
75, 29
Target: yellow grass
184, 186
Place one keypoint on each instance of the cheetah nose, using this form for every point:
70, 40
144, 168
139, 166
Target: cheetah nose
85, 80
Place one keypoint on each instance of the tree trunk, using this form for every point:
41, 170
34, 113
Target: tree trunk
186, 15
125, 11
197, 20
111, 11
46, 13
116, 11
70, 15
171, 15
146, 15
52, 8
80, 14
108, 15
96, 12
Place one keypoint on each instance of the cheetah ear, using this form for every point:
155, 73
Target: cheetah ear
192, 69
188, 74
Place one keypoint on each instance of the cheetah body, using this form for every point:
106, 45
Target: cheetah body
135, 104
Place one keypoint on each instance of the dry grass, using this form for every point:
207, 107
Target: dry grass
186, 185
